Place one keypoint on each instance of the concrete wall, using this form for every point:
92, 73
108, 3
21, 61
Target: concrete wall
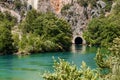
33, 3
36, 4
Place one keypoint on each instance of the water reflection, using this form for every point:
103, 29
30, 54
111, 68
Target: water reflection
75, 48
83, 49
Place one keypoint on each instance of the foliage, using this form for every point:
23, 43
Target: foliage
65, 9
115, 59
5, 40
116, 8
108, 5
34, 43
6, 22
65, 71
46, 32
18, 4
110, 62
102, 31
115, 49
7, 19
83, 2
102, 60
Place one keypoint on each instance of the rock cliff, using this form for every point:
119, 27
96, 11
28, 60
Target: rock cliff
76, 14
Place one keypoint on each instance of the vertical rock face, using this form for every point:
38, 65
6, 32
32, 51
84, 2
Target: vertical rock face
48, 5
44, 6
66, 1
51, 5
78, 16
56, 5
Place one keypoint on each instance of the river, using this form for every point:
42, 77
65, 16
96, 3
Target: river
32, 67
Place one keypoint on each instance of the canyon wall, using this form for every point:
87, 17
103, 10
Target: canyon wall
48, 5
58, 4
78, 16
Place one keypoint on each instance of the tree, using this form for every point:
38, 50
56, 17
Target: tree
65, 71
116, 7
18, 4
110, 61
51, 32
102, 31
6, 41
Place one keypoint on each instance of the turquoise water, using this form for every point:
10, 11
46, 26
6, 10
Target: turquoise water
32, 67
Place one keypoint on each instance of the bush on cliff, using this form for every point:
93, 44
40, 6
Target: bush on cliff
6, 41
49, 32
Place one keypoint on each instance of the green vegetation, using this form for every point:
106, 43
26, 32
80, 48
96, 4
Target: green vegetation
102, 31
18, 4
85, 3
6, 22
116, 8
65, 71
39, 32
110, 61
108, 5
65, 9
44, 32
92, 3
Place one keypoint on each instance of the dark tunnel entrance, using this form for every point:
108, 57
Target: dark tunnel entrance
78, 40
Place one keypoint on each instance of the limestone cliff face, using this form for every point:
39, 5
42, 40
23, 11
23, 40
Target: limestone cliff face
78, 16
44, 6
51, 5
58, 4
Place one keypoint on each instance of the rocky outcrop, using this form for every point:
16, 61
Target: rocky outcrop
78, 16
75, 15
58, 4
13, 13
44, 6
50, 5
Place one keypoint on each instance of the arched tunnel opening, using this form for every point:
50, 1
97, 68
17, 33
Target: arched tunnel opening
78, 40
30, 7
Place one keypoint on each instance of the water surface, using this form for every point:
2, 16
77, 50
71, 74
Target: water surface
32, 67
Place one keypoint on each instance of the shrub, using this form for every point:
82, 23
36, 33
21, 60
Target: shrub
56, 33
65, 71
